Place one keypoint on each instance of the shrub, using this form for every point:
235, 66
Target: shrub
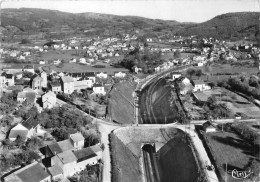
25, 41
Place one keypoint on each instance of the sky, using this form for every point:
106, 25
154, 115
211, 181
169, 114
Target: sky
179, 10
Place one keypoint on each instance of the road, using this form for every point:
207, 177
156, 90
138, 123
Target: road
105, 129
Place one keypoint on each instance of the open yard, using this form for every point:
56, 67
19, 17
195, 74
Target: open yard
121, 108
234, 102
228, 148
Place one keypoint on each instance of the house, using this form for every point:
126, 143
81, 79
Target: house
25, 129
90, 75
43, 74
187, 85
7, 79
83, 84
28, 68
34, 172
55, 87
56, 173
67, 84
83, 60
199, 85
99, 89
175, 75
56, 61
119, 74
49, 100
209, 126
66, 161
72, 161
27, 95
101, 75
77, 141
37, 82
137, 70
73, 60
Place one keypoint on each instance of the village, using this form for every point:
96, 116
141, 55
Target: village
79, 105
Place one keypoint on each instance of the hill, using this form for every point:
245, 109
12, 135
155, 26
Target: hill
29, 21
230, 25
52, 21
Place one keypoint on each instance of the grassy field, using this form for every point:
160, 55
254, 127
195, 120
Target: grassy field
121, 102
175, 160
75, 67
225, 71
65, 55
228, 147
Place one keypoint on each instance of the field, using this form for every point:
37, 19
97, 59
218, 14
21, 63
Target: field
169, 55
121, 102
175, 160
65, 55
225, 71
228, 147
235, 102
75, 67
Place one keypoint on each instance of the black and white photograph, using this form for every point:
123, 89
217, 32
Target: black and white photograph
130, 91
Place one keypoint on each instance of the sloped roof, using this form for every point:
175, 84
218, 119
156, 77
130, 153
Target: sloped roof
198, 82
30, 97
37, 78
76, 137
30, 123
67, 79
55, 170
55, 148
84, 154
49, 94
55, 84
67, 157
34, 172
65, 145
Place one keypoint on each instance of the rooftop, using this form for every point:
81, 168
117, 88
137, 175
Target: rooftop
198, 82
65, 145
30, 123
55, 170
34, 172
67, 157
77, 137
84, 154
67, 79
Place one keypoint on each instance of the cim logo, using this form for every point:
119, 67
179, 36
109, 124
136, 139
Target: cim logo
240, 174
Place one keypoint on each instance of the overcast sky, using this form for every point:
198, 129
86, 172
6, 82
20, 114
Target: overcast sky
180, 10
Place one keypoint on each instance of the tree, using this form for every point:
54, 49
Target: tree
25, 41
191, 72
212, 85
198, 73
208, 70
177, 54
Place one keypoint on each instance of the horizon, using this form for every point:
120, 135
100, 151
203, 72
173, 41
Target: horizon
197, 11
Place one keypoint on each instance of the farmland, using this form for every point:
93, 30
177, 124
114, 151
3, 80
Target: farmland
121, 102
225, 71
229, 148
75, 67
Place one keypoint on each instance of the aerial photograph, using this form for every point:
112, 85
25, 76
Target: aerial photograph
130, 91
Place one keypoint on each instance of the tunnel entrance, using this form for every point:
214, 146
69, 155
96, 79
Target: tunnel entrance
150, 163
